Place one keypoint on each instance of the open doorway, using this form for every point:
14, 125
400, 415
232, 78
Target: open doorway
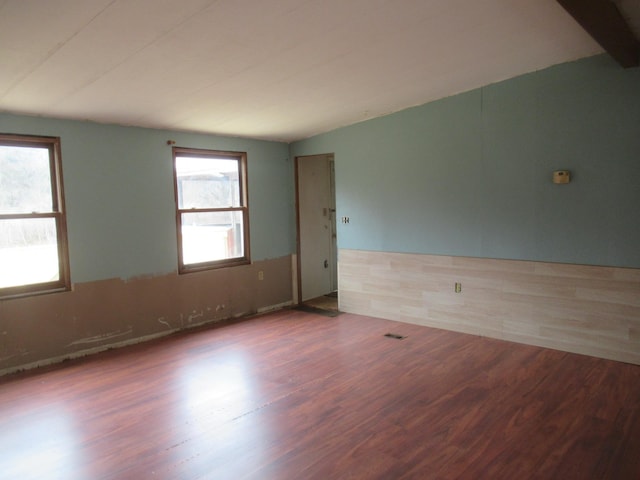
316, 224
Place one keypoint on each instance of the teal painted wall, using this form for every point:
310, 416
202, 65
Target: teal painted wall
118, 184
470, 175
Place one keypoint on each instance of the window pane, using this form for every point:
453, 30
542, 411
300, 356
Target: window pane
25, 180
207, 237
28, 252
207, 182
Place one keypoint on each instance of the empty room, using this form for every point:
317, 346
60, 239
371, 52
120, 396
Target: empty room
293, 239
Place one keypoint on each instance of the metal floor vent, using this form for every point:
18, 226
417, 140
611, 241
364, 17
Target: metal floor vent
395, 336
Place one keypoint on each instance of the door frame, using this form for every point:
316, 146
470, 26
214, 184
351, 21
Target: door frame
332, 211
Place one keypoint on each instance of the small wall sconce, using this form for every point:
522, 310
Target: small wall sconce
561, 176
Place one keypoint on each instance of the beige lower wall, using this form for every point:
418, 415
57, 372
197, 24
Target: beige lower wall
97, 315
583, 309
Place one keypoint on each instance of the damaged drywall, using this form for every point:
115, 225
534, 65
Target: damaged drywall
98, 315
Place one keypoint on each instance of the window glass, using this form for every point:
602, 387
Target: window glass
28, 252
25, 180
33, 249
211, 236
212, 212
207, 183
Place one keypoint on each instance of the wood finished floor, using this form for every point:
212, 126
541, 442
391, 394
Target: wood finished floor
293, 395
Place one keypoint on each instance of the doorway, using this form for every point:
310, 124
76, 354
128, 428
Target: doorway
316, 223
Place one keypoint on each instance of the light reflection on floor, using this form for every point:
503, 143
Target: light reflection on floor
217, 395
40, 444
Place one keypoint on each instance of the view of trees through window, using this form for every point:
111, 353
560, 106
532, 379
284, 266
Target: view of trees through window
29, 220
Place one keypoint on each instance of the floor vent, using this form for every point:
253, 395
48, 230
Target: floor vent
395, 336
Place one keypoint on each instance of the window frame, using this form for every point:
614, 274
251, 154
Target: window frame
58, 213
241, 158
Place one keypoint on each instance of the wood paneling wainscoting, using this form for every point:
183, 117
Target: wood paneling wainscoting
576, 308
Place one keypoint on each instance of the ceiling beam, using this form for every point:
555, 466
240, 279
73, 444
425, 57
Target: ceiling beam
604, 22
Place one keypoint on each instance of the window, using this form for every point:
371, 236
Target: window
33, 236
211, 208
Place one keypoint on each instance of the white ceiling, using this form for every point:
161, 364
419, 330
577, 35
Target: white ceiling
270, 69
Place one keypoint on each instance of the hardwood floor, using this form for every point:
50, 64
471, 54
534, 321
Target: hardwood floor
294, 395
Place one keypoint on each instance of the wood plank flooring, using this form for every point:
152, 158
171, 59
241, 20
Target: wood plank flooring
293, 395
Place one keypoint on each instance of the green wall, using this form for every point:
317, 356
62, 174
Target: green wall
470, 175
467, 175
118, 185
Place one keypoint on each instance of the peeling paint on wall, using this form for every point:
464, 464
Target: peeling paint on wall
19, 353
164, 322
195, 315
101, 337
96, 315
